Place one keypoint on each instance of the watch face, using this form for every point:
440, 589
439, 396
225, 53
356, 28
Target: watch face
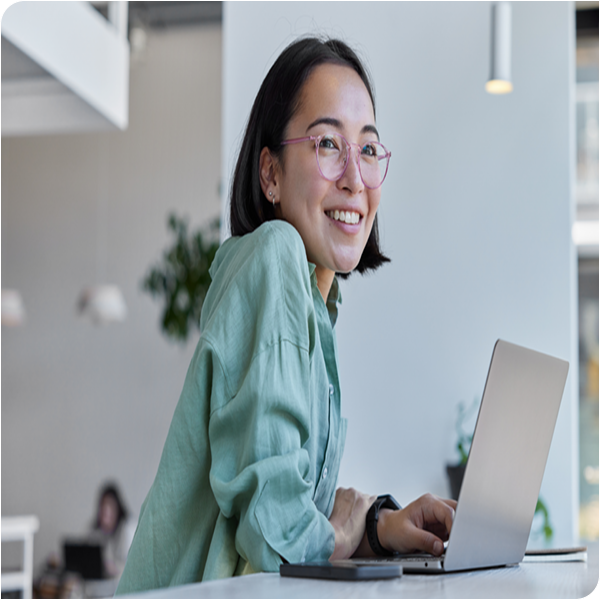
388, 501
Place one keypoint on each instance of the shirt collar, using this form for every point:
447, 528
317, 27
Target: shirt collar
334, 297
335, 294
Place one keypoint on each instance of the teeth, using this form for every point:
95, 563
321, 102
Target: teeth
350, 217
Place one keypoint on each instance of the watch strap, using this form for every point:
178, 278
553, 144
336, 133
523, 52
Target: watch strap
383, 501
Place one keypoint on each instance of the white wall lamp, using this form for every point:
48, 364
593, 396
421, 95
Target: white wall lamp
13, 309
500, 50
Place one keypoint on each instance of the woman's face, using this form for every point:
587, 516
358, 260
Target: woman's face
109, 513
333, 100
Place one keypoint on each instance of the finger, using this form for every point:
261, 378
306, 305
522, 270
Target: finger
438, 529
439, 511
426, 541
432, 498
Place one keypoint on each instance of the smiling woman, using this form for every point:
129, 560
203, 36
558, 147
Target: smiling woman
334, 101
298, 77
248, 473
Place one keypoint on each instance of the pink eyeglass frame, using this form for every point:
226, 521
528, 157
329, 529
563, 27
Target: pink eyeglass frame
349, 145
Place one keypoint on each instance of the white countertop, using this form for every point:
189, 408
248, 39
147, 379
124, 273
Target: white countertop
527, 580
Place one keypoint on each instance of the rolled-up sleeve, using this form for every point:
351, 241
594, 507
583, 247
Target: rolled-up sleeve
261, 473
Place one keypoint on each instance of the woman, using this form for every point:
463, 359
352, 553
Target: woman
247, 476
112, 530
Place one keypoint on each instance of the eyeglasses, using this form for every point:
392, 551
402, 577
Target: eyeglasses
333, 149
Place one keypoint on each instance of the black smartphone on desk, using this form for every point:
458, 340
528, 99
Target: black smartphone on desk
346, 570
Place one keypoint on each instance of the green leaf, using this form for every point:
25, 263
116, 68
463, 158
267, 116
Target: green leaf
181, 279
546, 528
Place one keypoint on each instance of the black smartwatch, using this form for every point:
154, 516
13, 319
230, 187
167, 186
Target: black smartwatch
385, 501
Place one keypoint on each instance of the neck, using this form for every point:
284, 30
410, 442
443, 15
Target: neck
324, 281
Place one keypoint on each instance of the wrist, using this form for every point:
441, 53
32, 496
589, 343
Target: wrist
383, 527
339, 550
382, 503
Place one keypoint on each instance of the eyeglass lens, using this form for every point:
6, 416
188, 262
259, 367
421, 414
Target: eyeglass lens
332, 157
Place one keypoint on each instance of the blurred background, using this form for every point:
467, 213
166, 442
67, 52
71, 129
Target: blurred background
116, 115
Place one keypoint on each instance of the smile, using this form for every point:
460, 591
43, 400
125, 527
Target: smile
349, 216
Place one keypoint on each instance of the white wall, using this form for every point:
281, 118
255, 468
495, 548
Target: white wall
476, 216
81, 403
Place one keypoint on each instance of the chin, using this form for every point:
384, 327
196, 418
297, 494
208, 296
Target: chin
347, 266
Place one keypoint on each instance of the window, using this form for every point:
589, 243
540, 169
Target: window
585, 234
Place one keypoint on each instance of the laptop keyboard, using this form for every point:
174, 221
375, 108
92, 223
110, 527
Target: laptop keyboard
417, 557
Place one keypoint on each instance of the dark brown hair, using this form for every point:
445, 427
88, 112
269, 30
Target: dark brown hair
275, 105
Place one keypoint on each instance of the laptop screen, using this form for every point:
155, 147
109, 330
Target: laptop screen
83, 558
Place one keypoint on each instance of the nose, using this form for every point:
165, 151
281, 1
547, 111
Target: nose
352, 179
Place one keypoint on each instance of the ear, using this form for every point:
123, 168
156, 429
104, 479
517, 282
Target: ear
269, 174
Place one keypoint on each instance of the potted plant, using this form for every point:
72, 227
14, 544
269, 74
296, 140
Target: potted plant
181, 278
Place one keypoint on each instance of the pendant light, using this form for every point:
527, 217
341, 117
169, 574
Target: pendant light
102, 303
13, 309
500, 50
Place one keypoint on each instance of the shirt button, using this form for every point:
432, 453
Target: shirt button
331, 389
325, 473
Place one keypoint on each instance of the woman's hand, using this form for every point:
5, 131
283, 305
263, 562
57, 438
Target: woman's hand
349, 518
424, 524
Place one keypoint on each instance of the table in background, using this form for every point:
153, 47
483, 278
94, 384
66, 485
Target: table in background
527, 580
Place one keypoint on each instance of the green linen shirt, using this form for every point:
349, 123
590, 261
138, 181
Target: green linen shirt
249, 467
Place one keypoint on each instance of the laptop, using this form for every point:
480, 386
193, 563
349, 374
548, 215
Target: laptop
506, 464
83, 558
503, 476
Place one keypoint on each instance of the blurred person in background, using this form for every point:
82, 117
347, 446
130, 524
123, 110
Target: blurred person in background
112, 529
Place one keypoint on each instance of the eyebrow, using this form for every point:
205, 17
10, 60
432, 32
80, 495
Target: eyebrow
338, 124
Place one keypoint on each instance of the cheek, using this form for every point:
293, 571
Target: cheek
374, 199
301, 178
302, 196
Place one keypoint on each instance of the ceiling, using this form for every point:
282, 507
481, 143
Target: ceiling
169, 14
18, 67
173, 14
155, 15
16, 64
46, 87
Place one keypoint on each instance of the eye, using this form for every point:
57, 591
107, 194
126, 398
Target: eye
329, 142
369, 150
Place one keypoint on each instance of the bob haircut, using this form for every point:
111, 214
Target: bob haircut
276, 103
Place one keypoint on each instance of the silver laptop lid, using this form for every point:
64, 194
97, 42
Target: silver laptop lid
508, 456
